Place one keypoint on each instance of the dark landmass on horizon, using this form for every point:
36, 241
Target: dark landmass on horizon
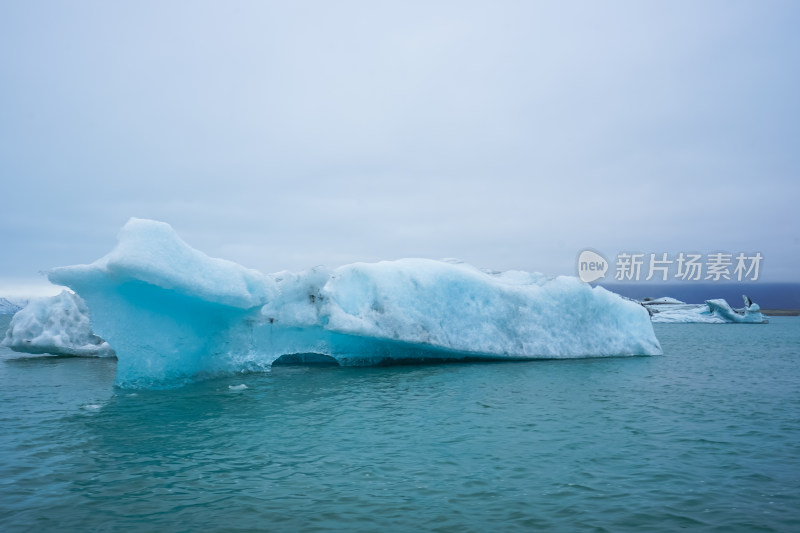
781, 312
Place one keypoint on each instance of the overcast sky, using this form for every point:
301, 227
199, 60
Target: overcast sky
284, 135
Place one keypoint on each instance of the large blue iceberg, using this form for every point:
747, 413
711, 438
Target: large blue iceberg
173, 314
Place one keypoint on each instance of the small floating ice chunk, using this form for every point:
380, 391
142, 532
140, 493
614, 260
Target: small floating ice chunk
58, 325
660, 301
238, 387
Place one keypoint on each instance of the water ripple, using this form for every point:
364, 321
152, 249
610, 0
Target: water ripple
705, 438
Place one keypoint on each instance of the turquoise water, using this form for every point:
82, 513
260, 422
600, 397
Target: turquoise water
705, 438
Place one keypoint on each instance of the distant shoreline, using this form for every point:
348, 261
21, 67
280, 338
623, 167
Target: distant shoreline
780, 312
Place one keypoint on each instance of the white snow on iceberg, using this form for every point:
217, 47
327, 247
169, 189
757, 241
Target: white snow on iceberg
669, 310
172, 313
58, 325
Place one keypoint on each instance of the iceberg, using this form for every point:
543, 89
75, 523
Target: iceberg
660, 301
58, 325
174, 314
8, 308
718, 311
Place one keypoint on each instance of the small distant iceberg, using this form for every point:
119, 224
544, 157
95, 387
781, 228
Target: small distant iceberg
58, 325
662, 300
718, 311
173, 314
8, 307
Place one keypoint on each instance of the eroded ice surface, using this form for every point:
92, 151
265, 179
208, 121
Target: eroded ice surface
57, 325
172, 313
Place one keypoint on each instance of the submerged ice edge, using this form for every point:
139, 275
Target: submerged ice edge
172, 313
